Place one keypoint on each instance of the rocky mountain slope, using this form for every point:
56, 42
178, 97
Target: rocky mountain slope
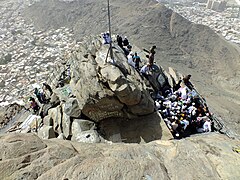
73, 114
95, 98
191, 48
146, 22
25, 156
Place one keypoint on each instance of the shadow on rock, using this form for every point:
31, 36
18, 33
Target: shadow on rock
140, 130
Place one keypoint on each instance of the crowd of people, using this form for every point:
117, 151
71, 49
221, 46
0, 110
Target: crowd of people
182, 108
184, 111
42, 94
134, 59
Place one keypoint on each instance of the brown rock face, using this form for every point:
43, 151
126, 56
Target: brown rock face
101, 90
8, 112
115, 90
210, 156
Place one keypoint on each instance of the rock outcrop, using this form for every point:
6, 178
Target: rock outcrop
209, 156
190, 48
100, 94
8, 112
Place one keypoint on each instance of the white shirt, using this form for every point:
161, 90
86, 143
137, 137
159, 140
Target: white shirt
130, 61
144, 70
186, 123
207, 126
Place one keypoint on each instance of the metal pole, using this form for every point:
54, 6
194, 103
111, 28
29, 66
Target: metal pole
110, 34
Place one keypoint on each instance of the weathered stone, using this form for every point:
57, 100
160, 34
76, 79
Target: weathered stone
173, 74
112, 87
71, 108
90, 136
129, 94
46, 132
146, 106
104, 108
45, 109
16, 144
10, 111
48, 121
169, 79
61, 136
79, 125
143, 129
55, 101
56, 115
25, 156
66, 125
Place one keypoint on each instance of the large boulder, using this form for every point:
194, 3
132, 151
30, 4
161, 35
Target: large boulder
209, 156
90, 136
79, 125
8, 112
55, 117
66, 125
46, 132
71, 108
104, 88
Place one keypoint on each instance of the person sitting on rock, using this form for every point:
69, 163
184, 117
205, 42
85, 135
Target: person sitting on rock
137, 60
187, 82
206, 127
34, 105
145, 71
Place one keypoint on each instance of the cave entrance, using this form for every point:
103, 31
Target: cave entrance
140, 130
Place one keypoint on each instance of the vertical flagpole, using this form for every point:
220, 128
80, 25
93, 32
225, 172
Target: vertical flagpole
110, 33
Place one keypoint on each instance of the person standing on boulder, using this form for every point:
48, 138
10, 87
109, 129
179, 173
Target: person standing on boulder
187, 82
137, 60
125, 41
119, 41
151, 54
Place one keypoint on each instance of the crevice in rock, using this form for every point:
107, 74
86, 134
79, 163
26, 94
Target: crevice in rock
69, 137
61, 121
56, 134
83, 116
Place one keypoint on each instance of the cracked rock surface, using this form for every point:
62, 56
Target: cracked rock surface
25, 156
